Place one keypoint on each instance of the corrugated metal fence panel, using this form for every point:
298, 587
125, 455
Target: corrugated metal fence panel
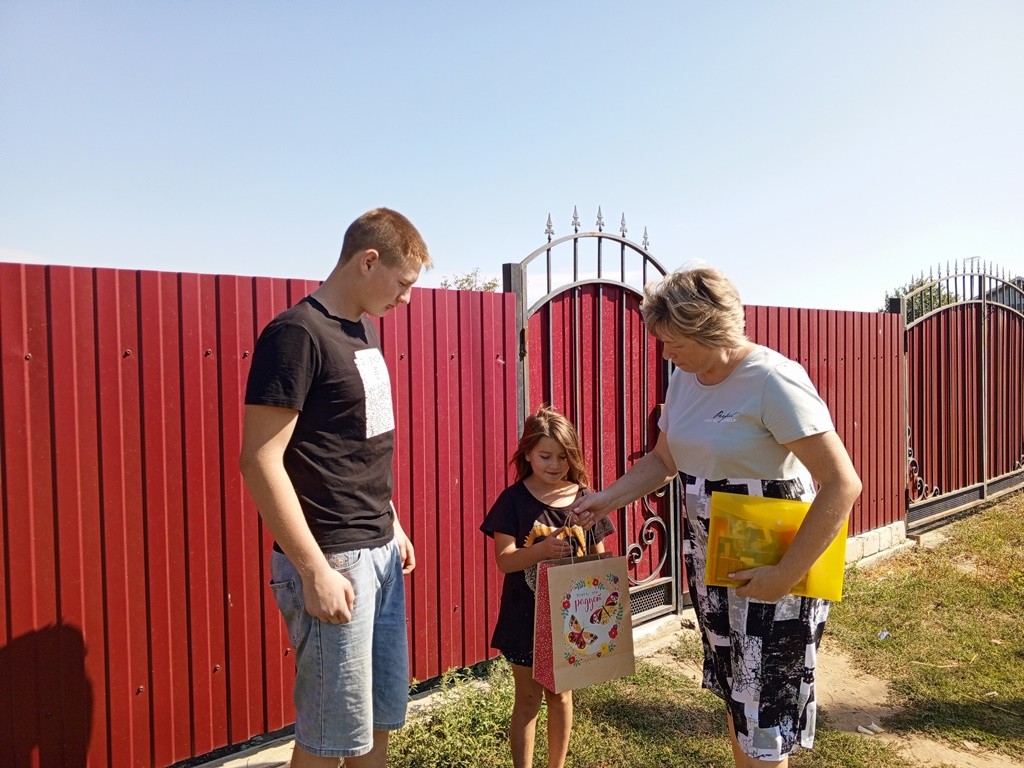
452, 359
854, 359
204, 533
136, 625
1005, 349
944, 400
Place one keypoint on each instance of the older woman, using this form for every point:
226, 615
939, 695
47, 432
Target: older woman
742, 418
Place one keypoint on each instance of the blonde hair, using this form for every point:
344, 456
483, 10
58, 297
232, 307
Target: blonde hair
547, 422
702, 304
391, 234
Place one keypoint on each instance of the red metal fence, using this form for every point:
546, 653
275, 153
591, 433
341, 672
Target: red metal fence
855, 361
965, 390
135, 625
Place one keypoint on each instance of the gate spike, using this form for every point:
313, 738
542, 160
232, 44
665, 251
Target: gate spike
549, 230
646, 243
600, 220
622, 226
575, 220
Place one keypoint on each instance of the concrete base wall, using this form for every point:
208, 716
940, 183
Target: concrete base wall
871, 546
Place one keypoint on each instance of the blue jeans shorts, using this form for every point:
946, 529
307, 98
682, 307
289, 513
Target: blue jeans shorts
350, 679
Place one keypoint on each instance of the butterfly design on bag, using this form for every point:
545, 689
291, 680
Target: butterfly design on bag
578, 636
606, 612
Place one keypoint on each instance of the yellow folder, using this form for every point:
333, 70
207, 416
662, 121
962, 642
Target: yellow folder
749, 531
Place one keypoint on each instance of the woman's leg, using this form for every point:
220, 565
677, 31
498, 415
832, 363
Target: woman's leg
743, 760
523, 728
559, 726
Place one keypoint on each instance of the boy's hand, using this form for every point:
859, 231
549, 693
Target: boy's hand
405, 551
329, 596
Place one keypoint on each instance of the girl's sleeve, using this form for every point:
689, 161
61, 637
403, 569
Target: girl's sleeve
602, 529
501, 517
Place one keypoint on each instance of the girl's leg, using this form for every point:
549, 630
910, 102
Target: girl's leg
559, 726
743, 760
523, 728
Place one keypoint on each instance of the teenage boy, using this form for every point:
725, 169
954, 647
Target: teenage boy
316, 456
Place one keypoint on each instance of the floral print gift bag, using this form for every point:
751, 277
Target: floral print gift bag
583, 628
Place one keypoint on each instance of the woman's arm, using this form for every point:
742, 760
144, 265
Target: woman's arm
647, 475
825, 457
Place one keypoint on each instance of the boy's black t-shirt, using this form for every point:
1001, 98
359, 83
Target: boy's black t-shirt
520, 514
339, 458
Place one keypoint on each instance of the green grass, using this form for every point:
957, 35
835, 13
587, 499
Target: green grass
654, 719
955, 618
939, 654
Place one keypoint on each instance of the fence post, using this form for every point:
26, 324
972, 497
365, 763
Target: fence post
513, 282
983, 386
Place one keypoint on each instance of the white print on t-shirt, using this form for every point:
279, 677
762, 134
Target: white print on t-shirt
380, 417
721, 416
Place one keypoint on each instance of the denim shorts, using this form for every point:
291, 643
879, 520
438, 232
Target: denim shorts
350, 679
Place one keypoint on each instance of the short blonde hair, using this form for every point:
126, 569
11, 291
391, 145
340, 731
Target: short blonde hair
391, 234
702, 304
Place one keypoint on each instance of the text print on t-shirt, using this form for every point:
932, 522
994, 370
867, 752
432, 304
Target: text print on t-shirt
380, 417
721, 416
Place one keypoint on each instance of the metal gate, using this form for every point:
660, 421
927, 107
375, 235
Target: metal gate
583, 350
964, 354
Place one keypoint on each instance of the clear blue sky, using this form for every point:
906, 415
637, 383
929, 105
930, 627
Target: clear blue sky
819, 152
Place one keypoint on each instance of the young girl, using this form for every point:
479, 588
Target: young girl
527, 523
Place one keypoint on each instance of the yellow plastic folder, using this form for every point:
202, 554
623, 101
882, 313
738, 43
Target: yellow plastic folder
749, 531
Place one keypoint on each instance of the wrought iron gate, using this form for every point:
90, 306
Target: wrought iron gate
964, 353
583, 349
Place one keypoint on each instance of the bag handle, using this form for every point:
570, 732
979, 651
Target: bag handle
587, 534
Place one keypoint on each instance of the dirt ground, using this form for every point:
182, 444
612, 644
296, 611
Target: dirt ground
851, 698
847, 696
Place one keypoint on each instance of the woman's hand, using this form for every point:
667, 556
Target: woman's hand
765, 583
589, 509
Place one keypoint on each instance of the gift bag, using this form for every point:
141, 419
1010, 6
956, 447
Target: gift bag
583, 628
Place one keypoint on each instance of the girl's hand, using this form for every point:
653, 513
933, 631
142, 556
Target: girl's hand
589, 509
553, 548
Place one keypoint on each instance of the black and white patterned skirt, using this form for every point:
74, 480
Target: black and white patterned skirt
758, 657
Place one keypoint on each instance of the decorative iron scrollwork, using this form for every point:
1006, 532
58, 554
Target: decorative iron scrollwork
653, 527
917, 488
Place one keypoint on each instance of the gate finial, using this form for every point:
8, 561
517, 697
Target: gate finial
622, 226
600, 220
575, 220
645, 242
549, 230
